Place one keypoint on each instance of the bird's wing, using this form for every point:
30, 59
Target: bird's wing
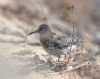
59, 43
67, 43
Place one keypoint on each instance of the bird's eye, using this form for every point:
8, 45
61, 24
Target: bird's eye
41, 28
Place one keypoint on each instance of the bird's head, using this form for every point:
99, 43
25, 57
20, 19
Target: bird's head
41, 29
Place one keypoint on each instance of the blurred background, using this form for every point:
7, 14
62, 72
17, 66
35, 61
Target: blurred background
19, 17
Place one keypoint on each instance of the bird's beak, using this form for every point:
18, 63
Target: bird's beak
33, 32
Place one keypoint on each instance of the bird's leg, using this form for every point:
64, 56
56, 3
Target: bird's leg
58, 58
65, 58
69, 57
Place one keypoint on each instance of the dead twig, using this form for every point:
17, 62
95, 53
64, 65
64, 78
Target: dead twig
70, 68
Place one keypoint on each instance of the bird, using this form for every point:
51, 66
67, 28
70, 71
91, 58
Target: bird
53, 44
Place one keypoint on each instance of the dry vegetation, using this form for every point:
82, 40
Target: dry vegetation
22, 56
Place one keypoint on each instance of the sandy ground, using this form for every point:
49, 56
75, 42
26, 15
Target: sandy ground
12, 64
17, 56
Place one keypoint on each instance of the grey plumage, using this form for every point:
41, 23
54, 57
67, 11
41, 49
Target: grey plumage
53, 44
